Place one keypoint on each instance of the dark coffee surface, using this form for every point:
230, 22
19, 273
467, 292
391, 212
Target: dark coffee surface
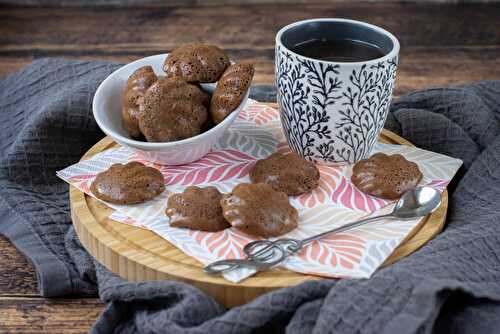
343, 50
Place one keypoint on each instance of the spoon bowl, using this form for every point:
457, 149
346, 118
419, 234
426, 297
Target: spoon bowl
260, 254
417, 202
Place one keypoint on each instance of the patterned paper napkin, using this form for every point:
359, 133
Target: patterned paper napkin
256, 134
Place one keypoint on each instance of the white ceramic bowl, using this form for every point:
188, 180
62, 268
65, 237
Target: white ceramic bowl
107, 108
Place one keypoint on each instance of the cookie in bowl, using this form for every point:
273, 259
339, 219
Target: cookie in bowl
173, 109
196, 63
131, 183
386, 176
259, 210
136, 87
164, 146
230, 90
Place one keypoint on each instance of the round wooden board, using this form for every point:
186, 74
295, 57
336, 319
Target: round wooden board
140, 255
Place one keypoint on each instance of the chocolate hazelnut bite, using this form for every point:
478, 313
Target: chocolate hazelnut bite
386, 176
197, 209
230, 90
173, 109
136, 86
259, 210
196, 63
131, 183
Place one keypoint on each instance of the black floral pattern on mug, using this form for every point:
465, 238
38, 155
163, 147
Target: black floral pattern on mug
332, 113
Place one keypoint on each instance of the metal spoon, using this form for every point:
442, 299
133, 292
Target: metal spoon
263, 254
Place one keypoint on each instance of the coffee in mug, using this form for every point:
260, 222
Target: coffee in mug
340, 50
335, 79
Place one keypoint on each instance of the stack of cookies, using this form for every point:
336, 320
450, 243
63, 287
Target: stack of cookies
174, 106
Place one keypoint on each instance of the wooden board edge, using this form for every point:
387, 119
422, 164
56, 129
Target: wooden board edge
106, 250
431, 228
225, 292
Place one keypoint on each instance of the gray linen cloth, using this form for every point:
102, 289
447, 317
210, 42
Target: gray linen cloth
451, 285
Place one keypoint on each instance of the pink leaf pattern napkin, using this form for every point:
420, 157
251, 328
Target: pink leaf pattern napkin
254, 135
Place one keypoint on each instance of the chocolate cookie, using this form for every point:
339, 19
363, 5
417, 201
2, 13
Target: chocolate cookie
172, 109
258, 209
196, 63
197, 209
288, 173
230, 90
386, 176
137, 84
128, 184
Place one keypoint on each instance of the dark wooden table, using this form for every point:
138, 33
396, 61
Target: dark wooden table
440, 45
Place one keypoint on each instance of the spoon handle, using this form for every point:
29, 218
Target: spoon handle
253, 260
223, 266
258, 261
343, 228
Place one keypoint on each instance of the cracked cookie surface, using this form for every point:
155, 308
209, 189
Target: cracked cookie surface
230, 90
173, 110
386, 176
136, 87
288, 173
196, 63
197, 209
131, 183
258, 209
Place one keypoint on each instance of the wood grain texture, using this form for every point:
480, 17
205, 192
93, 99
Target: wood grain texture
36, 315
237, 27
140, 255
419, 67
189, 3
17, 275
441, 45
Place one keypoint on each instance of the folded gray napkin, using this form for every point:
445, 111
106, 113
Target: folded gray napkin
451, 285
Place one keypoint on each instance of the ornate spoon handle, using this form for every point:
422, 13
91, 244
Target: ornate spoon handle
264, 254
260, 261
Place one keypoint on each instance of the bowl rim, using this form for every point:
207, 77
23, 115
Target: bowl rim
98, 95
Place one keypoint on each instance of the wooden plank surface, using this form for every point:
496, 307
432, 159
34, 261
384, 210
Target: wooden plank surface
419, 67
22, 310
235, 27
189, 3
37, 315
441, 44
17, 276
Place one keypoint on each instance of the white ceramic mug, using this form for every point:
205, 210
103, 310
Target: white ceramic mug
333, 112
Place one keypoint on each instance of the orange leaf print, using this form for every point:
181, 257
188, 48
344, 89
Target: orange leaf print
139, 158
226, 244
283, 148
341, 249
325, 189
81, 177
351, 197
440, 185
259, 114
84, 185
214, 167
